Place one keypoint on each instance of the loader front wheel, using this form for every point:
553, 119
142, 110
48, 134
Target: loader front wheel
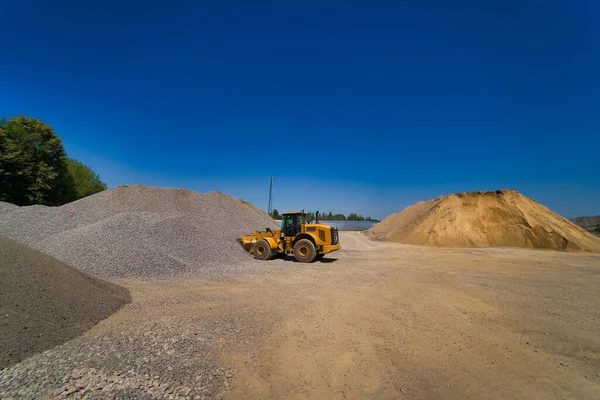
262, 250
304, 251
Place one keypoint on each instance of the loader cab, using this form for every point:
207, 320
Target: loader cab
291, 223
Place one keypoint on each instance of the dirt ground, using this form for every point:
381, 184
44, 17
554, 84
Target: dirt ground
392, 321
375, 320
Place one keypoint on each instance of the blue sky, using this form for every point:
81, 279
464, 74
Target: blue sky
353, 106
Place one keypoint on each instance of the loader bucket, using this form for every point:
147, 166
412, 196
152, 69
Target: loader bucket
247, 241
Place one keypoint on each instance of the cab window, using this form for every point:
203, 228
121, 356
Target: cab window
290, 224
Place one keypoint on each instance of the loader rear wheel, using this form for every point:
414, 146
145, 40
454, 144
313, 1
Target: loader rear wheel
304, 251
262, 250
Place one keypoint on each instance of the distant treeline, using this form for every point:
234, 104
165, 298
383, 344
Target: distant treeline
330, 216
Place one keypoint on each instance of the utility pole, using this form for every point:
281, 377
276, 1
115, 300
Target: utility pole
271, 196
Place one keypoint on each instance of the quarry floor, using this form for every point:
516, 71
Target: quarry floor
374, 320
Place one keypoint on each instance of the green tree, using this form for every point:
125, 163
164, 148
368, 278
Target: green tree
275, 214
355, 217
85, 181
33, 163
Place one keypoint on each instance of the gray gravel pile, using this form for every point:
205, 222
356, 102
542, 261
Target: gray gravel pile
590, 224
6, 207
138, 231
44, 302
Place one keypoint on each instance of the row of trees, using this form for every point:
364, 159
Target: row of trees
35, 169
330, 216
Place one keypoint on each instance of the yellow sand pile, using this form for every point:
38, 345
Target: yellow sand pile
504, 218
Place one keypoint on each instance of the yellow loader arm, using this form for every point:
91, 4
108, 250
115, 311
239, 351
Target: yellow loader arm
271, 236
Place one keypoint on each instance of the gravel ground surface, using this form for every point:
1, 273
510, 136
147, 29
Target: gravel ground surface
374, 320
44, 302
142, 232
169, 343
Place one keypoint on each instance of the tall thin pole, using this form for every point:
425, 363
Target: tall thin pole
271, 196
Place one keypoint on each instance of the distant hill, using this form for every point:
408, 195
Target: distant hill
590, 224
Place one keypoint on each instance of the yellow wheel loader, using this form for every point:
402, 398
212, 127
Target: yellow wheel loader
307, 242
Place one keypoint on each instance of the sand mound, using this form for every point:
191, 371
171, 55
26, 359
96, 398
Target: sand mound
503, 218
44, 302
138, 231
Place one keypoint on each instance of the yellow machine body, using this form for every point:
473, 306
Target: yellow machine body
305, 241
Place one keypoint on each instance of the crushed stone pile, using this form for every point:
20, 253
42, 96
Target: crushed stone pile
590, 224
503, 218
44, 302
6, 207
141, 232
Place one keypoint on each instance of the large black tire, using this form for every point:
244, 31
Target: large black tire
304, 251
262, 250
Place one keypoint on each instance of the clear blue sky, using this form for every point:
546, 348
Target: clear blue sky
353, 106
